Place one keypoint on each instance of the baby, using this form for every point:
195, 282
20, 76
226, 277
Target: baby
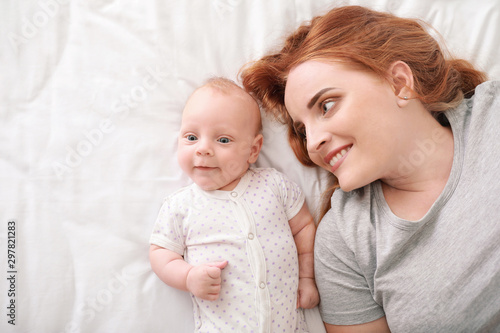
239, 239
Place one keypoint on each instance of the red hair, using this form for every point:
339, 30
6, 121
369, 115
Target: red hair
368, 40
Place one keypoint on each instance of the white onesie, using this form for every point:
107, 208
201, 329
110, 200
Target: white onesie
249, 228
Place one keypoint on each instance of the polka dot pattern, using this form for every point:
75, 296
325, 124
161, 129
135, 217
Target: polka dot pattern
249, 228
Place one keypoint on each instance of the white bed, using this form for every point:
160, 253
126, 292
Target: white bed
91, 98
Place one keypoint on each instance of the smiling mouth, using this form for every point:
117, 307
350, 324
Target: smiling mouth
204, 168
335, 158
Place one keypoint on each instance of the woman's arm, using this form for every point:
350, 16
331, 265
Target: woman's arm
376, 326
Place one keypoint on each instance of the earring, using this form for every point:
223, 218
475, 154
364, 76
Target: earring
405, 98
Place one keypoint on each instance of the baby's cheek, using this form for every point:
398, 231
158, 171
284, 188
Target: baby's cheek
232, 167
183, 158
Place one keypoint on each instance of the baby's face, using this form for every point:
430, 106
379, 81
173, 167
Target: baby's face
218, 138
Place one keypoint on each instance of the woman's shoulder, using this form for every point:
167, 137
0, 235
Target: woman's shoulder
486, 94
349, 209
484, 106
488, 88
479, 112
352, 201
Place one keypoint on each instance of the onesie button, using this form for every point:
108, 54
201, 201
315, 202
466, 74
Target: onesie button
250, 236
234, 194
262, 285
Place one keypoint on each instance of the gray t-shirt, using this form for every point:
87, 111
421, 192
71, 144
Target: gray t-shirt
438, 274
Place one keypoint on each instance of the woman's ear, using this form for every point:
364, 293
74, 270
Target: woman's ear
402, 81
255, 148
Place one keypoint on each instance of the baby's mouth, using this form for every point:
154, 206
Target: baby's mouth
204, 168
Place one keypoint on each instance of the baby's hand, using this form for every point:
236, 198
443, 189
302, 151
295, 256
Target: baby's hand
204, 281
308, 295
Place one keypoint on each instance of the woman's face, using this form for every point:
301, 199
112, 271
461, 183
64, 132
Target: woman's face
353, 124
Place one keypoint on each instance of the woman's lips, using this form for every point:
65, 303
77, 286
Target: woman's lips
337, 156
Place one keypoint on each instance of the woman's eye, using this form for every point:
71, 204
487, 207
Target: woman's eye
325, 107
224, 140
191, 137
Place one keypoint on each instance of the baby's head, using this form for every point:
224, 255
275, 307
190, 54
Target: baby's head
220, 135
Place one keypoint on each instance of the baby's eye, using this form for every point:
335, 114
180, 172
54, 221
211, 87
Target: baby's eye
191, 137
224, 140
325, 107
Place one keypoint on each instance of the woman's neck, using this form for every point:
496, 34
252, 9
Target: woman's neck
422, 173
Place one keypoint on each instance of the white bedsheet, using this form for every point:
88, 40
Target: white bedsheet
91, 96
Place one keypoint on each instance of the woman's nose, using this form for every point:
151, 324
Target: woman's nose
316, 138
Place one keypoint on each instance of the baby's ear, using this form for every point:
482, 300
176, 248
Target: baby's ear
402, 81
255, 148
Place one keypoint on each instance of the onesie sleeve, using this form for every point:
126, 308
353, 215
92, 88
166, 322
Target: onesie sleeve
167, 229
290, 194
346, 298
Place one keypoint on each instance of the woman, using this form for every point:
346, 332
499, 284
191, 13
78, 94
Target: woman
410, 137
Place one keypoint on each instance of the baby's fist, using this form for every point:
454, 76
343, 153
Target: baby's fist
204, 281
308, 295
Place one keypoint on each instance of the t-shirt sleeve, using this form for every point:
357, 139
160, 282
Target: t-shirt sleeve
345, 296
167, 231
291, 194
